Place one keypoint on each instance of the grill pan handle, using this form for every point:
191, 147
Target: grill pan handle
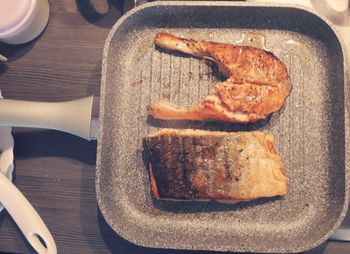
74, 116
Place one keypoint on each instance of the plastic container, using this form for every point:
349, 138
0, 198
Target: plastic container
22, 20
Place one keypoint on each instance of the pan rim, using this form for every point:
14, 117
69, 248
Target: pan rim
119, 23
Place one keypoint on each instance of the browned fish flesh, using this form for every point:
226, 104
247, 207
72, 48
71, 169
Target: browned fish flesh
257, 82
208, 165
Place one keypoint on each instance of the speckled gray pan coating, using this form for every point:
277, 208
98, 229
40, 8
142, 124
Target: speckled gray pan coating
311, 130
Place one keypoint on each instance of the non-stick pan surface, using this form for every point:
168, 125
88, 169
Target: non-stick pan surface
311, 130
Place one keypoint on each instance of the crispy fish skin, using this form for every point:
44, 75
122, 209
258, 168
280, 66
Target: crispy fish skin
206, 165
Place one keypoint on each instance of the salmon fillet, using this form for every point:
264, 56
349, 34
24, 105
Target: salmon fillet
206, 165
257, 82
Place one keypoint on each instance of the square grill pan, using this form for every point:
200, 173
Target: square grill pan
311, 130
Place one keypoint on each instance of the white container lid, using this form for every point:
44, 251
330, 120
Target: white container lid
13, 14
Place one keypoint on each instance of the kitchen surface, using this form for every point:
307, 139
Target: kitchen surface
56, 171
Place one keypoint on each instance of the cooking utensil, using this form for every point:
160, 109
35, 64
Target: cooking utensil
6, 152
311, 131
313, 124
26, 218
16, 204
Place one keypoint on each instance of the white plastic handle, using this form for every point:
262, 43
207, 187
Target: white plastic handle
70, 116
26, 217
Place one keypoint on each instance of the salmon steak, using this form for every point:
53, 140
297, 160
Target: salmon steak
257, 82
211, 165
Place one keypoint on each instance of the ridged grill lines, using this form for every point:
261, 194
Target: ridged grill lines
189, 82
171, 76
161, 75
179, 84
140, 108
199, 81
